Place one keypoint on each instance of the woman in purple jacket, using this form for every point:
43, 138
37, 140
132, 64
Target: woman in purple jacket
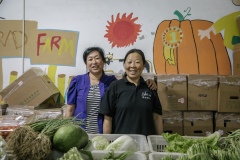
86, 91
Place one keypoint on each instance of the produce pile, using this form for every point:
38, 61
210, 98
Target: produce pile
122, 143
35, 140
75, 154
211, 147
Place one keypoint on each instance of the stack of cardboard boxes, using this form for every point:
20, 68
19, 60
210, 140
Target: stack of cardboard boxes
202, 101
172, 92
207, 103
227, 118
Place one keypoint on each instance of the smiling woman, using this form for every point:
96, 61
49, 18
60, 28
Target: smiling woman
129, 106
86, 91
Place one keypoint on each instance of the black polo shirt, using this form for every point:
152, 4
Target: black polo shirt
131, 107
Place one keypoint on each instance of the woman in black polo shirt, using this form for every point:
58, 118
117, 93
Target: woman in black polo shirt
129, 106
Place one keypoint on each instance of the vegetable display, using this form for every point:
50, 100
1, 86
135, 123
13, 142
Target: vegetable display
34, 140
75, 154
211, 147
180, 144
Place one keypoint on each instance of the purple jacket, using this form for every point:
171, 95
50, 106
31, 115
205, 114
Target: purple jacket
78, 92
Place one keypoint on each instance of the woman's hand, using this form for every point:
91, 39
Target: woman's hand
151, 84
69, 110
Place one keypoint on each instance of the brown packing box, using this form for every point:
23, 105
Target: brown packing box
173, 122
32, 88
197, 123
172, 92
236, 59
202, 92
148, 76
229, 94
227, 122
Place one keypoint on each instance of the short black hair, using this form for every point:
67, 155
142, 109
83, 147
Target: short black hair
140, 52
91, 49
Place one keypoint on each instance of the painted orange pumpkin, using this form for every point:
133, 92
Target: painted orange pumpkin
179, 50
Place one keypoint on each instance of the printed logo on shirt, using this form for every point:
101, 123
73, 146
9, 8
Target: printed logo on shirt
146, 95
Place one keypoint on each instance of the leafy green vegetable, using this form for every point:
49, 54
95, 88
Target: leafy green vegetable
72, 154
123, 143
100, 142
168, 157
230, 147
212, 147
211, 139
122, 156
178, 143
199, 151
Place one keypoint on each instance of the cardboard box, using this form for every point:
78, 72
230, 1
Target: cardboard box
173, 122
32, 88
172, 92
227, 122
202, 92
229, 94
236, 59
197, 123
148, 76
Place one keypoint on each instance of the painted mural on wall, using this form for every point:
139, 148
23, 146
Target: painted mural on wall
51, 47
123, 32
184, 46
181, 45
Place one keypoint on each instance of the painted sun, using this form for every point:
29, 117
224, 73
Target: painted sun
123, 31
